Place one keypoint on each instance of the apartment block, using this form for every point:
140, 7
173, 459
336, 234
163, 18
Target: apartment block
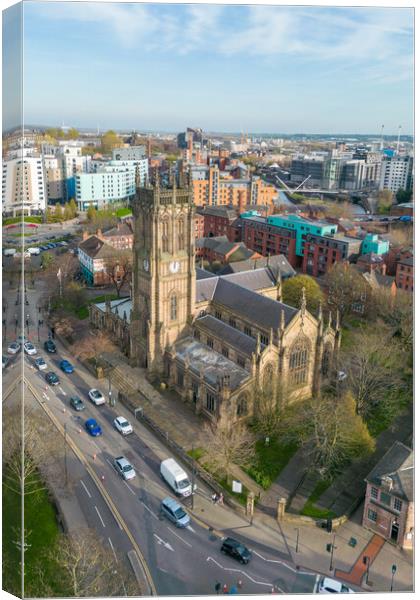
23, 186
111, 185
396, 173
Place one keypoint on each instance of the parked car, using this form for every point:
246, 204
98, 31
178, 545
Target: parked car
52, 378
406, 219
50, 346
123, 425
29, 348
331, 586
40, 364
9, 251
124, 468
236, 550
175, 477
13, 348
96, 397
34, 251
4, 361
93, 428
66, 366
77, 403
173, 511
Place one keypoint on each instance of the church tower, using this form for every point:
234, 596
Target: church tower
163, 271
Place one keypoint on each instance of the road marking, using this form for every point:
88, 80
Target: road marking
113, 549
162, 542
44, 395
86, 490
190, 528
316, 584
132, 491
150, 511
280, 562
179, 537
63, 392
99, 515
270, 585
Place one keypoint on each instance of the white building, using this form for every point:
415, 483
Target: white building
396, 173
70, 161
141, 167
112, 184
23, 186
129, 153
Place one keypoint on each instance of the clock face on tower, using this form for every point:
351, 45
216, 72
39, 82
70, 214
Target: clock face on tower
174, 266
146, 264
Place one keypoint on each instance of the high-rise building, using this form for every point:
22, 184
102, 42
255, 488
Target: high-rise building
23, 186
112, 184
396, 173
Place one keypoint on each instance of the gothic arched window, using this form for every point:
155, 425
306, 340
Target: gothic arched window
165, 236
181, 233
326, 360
173, 307
299, 363
268, 377
242, 406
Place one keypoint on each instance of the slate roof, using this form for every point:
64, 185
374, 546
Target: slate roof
118, 307
273, 263
398, 464
203, 274
223, 331
409, 262
257, 279
204, 288
96, 248
203, 359
241, 253
219, 211
121, 229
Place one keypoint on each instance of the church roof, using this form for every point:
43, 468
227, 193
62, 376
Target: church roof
233, 337
118, 307
255, 279
203, 359
276, 264
203, 274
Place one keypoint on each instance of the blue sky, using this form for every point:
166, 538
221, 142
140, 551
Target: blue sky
225, 68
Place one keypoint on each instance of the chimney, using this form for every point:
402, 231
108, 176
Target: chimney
85, 235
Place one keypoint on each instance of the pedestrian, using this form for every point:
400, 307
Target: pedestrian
225, 589
218, 587
214, 498
220, 500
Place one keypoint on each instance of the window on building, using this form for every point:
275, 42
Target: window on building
180, 378
173, 308
232, 322
264, 340
210, 402
225, 351
242, 407
165, 236
374, 492
372, 515
397, 504
248, 330
210, 342
385, 498
240, 361
299, 363
218, 314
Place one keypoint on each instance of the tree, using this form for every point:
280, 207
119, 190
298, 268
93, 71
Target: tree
73, 208
229, 444
58, 212
292, 292
119, 269
403, 196
91, 213
93, 345
72, 134
90, 567
109, 141
385, 198
270, 403
346, 288
47, 260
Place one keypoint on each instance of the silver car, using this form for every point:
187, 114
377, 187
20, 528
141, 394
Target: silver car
124, 468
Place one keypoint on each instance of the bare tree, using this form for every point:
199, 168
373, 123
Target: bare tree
229, 444
93, 345
119, 269
396, 310
270, 404
346, 289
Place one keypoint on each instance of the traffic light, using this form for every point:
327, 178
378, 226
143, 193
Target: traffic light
329, 548
329, 525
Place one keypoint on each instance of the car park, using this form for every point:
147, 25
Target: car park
124, 468
50, 346
123, 426
52, 378
40, 364
76, 403
93, 428
327, 585
29, 348
66, 366
236, 550
13, 348
96, 397
172, 510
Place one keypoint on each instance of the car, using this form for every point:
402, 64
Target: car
22, 338
50, 246
52, 378
29, 348
40, 363
123, 425
13, 348
96, 397
34, 251
4, 361
331, 586
77, 403
236, 550
93, 428
43, 248
172, 510
9, 251
124, 468
66, 366
406, 219
63, 243
50, 346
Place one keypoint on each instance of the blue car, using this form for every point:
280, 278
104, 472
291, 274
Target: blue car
93, 428
66, 366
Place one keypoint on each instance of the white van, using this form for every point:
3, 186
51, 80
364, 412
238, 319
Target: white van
35, 251
9, 251
175, 477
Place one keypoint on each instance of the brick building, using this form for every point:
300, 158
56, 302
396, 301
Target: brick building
389, 501
405, 274
267, 239
220, 249
96, 257
321, 252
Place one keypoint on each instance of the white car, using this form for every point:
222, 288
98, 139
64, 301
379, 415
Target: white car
123, 425
33, 250
96, 397
40, 363
331, 586
124, 468
13, 348
29, 348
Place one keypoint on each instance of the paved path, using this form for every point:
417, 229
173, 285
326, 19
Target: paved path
356, 574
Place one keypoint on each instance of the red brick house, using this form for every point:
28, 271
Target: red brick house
405, 274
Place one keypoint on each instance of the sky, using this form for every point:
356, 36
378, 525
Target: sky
286, 69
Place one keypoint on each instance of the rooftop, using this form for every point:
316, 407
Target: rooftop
398, 465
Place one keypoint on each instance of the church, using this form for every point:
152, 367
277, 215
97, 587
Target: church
214, 339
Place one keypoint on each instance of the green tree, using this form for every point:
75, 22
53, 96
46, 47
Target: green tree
404, 196
58, 212
73, 134
91, 213
385, 198
109, 141
47, 259
292, 292
73, 207
68, 213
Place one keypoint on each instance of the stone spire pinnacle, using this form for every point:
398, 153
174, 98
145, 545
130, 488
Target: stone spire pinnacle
303, 301
258, 349
329, 319
279, 287
282, 320
337, 320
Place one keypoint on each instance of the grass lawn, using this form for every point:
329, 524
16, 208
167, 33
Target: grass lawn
270, 460
83, 311
43, 531
123, 212
27, 219
309, 510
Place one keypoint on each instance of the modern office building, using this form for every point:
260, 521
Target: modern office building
23, 186
396, 173
113, 184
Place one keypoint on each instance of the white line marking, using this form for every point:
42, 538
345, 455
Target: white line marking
179, 537
150, 511
132, 491
86, 490
316, 584
239, 571
162, 542
99, 515
280, 562
190, 528
113, 549
63, 392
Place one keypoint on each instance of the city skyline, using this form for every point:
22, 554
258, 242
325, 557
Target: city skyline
159, 67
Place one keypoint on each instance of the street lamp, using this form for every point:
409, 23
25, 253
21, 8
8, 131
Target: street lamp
393, 571
297, 539
27, 324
